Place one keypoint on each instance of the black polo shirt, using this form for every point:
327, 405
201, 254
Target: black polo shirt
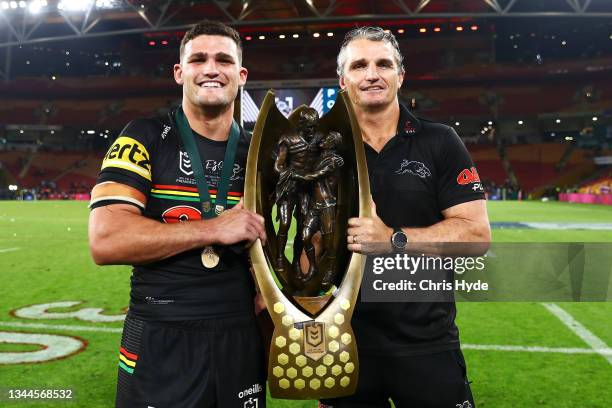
421, 171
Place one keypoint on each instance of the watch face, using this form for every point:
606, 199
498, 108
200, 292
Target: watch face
399, 240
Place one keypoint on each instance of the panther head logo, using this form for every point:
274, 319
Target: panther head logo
413, 167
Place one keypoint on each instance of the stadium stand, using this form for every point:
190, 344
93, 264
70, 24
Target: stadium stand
68, 115
600, 186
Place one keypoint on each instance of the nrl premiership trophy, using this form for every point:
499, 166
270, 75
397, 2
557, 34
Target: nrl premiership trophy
307, 176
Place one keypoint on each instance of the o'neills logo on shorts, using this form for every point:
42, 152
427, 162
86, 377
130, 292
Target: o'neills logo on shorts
253, 389
128, 154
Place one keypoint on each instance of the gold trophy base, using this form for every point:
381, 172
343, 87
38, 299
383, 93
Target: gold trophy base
312, 359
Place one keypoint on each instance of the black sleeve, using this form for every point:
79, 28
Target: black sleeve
128, 160
458, 180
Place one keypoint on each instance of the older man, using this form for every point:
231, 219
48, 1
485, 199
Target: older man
408, 352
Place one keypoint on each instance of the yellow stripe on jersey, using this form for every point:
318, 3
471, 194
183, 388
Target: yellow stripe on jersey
181, 193
126, 361
128, 154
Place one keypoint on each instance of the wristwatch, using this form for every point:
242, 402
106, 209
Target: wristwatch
399, 239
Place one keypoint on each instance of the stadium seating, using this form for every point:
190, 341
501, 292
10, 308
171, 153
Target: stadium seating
603, 185
63, 169
488, 163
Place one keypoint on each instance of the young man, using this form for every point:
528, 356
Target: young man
408, 352
168, 202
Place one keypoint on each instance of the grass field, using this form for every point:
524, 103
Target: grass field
518, 354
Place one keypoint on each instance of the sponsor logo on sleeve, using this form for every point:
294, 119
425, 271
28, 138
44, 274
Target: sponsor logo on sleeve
128, 154
470, 176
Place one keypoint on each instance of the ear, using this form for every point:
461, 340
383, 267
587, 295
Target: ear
341, 82
401, 78
178, 74
244, 73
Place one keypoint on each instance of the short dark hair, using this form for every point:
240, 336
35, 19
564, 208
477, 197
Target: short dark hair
208, 27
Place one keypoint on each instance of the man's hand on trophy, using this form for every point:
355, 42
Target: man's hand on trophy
259, 303
238, 225
369, 235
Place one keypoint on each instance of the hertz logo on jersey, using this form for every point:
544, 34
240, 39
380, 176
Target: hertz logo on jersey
128, 154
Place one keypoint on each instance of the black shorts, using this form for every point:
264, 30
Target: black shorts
203, 363
436, 380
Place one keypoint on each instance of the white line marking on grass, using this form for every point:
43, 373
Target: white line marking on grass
606, 352
3, 250
60, 327
579, 330
537, 349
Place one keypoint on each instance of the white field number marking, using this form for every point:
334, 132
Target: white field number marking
53, 347
88, 314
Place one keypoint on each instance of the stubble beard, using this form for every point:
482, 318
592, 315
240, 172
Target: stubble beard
212, 108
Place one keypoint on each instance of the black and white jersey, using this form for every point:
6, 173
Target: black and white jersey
148, 155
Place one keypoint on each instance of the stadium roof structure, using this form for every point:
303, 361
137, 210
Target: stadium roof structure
38, 21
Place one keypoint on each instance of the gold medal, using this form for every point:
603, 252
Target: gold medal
210, 258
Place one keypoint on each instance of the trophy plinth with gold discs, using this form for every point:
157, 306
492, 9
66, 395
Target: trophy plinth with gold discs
308, 175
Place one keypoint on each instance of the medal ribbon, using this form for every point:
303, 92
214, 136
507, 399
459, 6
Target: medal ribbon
189, 141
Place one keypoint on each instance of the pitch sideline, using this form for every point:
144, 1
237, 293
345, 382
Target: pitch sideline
596, 344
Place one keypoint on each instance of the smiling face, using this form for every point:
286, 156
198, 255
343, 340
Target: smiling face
210, 72
371, 74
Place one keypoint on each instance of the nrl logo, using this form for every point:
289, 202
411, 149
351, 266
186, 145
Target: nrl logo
314, 340
185, 163
413, 167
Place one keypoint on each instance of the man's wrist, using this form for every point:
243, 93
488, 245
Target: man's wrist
399, 239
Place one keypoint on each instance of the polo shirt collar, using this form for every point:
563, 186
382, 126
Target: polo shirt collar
408, 124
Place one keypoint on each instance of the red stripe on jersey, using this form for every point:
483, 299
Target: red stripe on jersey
180, 188
128, 354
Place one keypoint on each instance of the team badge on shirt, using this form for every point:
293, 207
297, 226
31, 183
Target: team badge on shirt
413, 167
185, 164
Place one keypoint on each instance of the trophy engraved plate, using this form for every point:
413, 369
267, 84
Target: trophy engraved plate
307, 176
314, 344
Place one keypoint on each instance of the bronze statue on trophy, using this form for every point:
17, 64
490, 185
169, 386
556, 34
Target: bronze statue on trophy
307, 190
295, 155
321, 214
